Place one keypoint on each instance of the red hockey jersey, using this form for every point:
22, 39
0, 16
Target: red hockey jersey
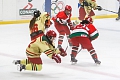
62, 18
86, 30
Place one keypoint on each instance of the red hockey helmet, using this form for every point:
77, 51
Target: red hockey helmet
89, 19
51, 33
68, 9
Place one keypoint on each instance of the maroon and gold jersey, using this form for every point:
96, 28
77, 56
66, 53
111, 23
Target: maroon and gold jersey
40, 45
40, 22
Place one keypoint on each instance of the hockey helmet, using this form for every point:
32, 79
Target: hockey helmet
89, 19
51, 34
68, 9
37, 13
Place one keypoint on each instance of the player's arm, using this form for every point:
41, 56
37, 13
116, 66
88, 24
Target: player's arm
94, 4
59, 51
93, 32
59, 19
49, 52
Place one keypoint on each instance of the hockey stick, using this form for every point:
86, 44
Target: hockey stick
66, 48
110, 11
79, 50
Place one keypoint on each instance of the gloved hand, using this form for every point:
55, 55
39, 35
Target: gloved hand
56, 58
85, 3
85, 22
71, 26
63, 53
99, 8
48, 23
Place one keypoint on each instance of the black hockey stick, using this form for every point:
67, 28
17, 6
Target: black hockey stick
66, 48
110, 11
79, 50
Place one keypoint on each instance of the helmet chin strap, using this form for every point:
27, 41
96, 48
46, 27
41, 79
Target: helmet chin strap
50, 42
50, 37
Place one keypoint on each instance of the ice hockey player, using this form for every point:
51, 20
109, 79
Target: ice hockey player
86, 9
63, 24
83, 34
40, 43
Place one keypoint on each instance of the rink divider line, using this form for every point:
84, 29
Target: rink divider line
72, 18
73, 67
91, 71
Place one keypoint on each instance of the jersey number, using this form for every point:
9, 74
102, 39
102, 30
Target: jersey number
35, 28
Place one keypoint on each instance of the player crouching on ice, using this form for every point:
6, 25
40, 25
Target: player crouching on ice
83, 34
40, 43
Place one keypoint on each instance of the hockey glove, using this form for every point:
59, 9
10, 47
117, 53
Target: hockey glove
99, 8
63, 53
85, 3
56, 58
85, 22
71, 26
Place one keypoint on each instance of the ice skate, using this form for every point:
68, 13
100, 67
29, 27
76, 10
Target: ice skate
73, 60
16, 62
97, 61
20, 67
118, 18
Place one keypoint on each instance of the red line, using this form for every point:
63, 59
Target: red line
70, 67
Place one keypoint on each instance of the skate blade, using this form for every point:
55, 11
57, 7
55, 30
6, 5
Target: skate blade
18, 67
97, 64
14, 62
73, 63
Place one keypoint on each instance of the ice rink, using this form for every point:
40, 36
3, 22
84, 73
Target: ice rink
14, 39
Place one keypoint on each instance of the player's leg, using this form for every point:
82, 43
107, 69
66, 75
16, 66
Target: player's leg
34, 65
60, 29
75, 46
86, 43
31, 67
94, 55
23, 62
67, 32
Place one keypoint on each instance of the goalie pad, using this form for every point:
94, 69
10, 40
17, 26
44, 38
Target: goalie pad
91, 13
82, 13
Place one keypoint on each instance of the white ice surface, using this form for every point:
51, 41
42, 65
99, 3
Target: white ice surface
14, 39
